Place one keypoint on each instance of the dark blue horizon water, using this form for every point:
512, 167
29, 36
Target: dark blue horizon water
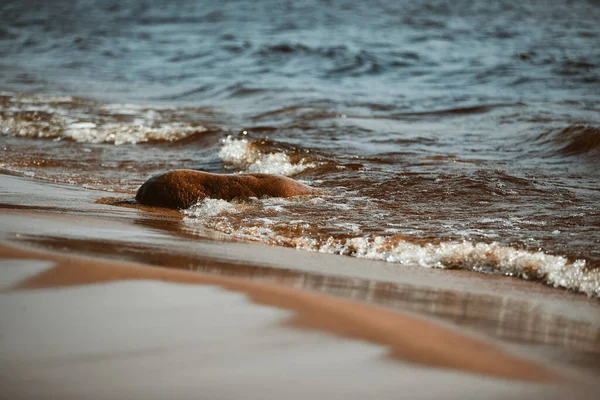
377, 56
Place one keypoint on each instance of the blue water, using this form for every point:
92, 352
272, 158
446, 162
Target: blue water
427, 121
378, 56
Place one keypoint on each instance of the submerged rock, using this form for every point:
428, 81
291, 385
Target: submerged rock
183, 188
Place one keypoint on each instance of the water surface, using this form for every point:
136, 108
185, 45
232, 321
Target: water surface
446, 134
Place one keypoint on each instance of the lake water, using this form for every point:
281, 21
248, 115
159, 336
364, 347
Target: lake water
446, 134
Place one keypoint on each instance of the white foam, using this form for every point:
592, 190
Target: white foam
88, 132
37, 98
278, 164
554, 270
210, 208
237, 151
123, 133
64, 119
241, 153
12, 127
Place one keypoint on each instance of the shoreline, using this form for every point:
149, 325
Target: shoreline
407, 338
484, 319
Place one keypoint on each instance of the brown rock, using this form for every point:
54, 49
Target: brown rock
184, 188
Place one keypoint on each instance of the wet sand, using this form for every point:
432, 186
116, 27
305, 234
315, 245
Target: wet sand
145, 339
423, 328
408, 338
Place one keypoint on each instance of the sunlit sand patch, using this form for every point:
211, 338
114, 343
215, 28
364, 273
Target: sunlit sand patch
407, 338
13, 271
149, 339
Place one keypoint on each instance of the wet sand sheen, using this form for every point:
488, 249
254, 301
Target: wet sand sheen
408, 338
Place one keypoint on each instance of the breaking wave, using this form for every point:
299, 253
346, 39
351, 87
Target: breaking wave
490, 258
246, 155
210, 208
87, 122
494, 258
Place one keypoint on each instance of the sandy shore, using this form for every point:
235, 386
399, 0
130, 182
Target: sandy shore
408, 338
370, 327
403, 337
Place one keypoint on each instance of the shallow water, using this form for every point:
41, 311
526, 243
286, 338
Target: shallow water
444, 134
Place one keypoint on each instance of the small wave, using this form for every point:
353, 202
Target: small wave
33, 125
458, 111
88, 122
573, 140
298, 112
211, 17
338, 60
87, 132
244, 154
186, 93
580, 69
331, 52
491, 258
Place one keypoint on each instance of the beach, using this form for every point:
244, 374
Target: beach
98, 301
318, 198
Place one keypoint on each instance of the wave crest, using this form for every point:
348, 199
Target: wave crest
334, 60
246, 155
491, 258
573, 140
88, 122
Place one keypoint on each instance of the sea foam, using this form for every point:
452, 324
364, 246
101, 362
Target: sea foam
553, 270
243, 154
119, 134
210, 208
491, 258
87, 122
